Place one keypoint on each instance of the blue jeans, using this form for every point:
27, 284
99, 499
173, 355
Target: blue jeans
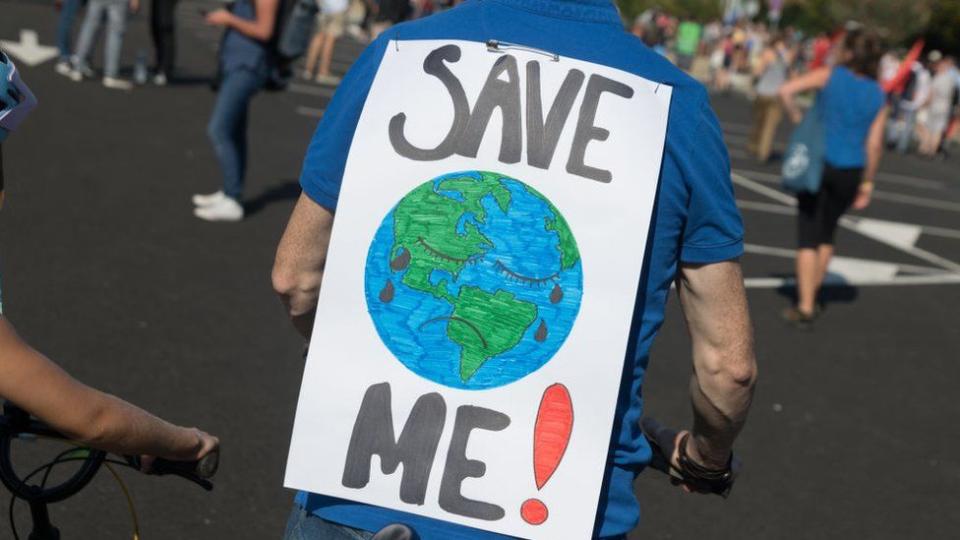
68, 12
228, 125
116, 26
305, 526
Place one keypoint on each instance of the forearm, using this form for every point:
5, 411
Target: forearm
715, 306
873, 163
39, 386
252, 29
300, 261
720, 403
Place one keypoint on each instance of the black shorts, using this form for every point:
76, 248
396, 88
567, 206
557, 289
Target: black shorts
818, 214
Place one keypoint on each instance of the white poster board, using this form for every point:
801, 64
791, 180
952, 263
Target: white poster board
471, 329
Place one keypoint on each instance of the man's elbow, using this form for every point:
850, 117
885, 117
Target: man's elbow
734, 369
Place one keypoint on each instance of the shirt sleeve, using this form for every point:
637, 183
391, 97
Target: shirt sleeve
713, 230
323, 166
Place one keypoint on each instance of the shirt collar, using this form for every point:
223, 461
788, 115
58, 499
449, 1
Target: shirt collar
600, 11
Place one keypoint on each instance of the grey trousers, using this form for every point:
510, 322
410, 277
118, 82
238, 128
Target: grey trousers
116, 26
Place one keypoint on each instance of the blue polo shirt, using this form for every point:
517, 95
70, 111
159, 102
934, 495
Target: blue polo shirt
695, 219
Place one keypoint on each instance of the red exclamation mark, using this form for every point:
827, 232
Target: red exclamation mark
551, 434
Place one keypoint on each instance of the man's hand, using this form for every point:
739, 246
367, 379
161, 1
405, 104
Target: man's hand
715, 307
301, 256
134, 6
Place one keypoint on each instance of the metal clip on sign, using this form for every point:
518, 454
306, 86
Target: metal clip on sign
494, 45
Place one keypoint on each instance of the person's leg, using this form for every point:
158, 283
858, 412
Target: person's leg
313, 54
753, 143
116, 26
227, 127
68, 12
840, 187
807, 271
809, 208
771, 119
168, 41
824, 254
326, 54
906, 132
156, 6
88, 31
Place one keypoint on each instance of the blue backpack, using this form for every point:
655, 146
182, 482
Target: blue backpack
803, 162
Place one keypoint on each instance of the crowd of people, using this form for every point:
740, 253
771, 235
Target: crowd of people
923, 91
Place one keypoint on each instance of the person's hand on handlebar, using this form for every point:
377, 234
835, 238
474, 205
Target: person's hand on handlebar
205, 444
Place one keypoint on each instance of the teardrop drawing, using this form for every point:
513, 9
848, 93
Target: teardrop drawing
386, 294
541, 334
556, 295
401, 261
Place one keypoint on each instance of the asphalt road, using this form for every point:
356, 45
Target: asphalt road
853, 431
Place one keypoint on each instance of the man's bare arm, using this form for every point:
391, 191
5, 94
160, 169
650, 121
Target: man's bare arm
301, 256
714, 304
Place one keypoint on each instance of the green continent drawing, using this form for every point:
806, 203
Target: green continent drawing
473, 280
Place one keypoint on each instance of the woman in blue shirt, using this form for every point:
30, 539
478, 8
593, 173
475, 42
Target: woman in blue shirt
245, 64
854, 114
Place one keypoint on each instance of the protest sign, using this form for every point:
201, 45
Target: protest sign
477, 300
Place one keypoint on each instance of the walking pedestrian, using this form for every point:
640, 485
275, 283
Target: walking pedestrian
245, 65
938, 107
68, 13
695, 240
854, 114
331, 21
116, 12
771, 71
162, 30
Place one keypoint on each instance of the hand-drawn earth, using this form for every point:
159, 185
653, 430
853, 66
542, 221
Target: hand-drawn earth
473, 280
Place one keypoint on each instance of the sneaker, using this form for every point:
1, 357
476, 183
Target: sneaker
225, 209
328, 80
208, 199
117, 84
798, 319
63, 67
160, 79
69, 71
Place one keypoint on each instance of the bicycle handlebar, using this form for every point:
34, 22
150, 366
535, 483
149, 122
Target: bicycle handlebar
15, 423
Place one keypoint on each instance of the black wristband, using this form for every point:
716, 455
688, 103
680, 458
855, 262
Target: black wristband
718, 481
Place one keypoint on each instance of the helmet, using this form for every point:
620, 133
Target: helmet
16, 101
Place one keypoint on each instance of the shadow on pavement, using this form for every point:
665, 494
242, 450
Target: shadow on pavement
289, 190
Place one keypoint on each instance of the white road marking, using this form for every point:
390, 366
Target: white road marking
322, 91
848, 265
916, 201
766, 207
310, 111
832, 281
29, 50
904, 235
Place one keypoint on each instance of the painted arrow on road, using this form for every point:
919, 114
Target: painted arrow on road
29, 50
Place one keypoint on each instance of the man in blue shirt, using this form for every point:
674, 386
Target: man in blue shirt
695, 239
